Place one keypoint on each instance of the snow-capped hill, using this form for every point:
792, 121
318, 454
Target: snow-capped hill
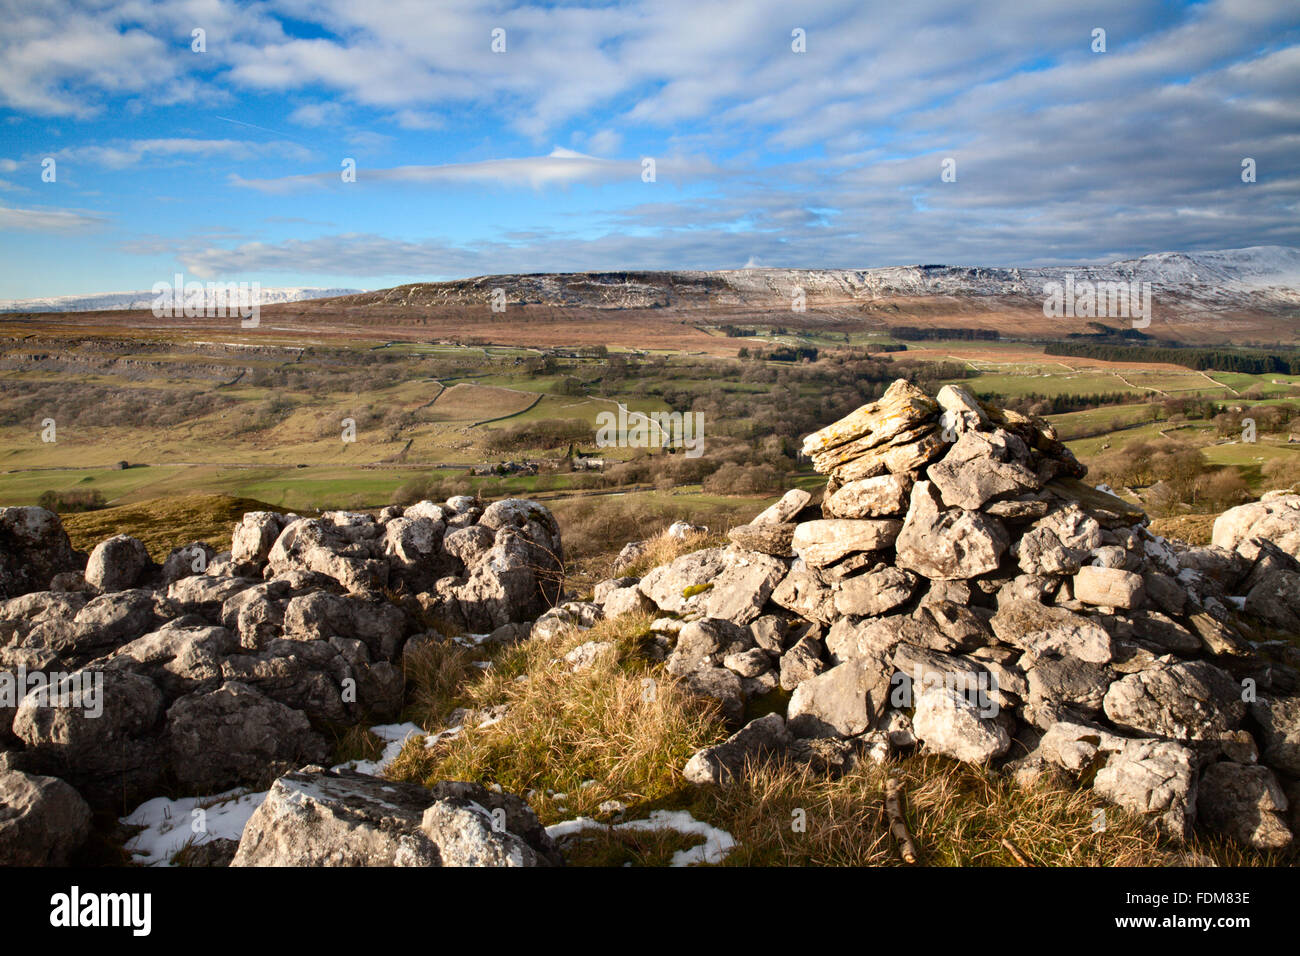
115, 301
1254, 267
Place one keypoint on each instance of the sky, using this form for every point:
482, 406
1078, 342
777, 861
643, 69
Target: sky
500, 137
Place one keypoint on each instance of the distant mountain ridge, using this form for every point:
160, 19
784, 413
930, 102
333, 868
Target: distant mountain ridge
116, 301
1267, 276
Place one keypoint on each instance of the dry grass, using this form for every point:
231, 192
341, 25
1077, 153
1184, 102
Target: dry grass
619, 723
664, 549
164, 523
1194, 529
571, 741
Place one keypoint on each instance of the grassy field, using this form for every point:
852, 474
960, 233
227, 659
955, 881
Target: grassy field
270, 425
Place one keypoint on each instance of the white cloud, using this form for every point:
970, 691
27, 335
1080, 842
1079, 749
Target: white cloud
562, 167
136, 151
48, 220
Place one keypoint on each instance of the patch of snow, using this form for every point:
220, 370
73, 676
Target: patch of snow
170, 824
395, 736
717, 843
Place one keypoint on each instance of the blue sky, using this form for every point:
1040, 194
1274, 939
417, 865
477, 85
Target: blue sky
225, 164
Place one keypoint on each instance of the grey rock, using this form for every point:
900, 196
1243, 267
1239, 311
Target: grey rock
1155, 779
320, 818
758, 740
1058, 543
947, 722
844, 701
1187, 700
802, 662
117, 564
43, 821
1278, 718
876, 592
234, 736
827, 540
1112, 587
1040, 630
1246, 804
947, 544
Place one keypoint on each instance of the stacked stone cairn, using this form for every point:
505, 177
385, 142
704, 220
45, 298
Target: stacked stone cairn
958, 589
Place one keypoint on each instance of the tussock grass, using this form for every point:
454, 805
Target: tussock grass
664, 548
620, 724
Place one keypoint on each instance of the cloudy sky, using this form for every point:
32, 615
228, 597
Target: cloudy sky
499, 137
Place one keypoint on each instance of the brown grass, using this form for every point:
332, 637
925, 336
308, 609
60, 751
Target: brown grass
164, 523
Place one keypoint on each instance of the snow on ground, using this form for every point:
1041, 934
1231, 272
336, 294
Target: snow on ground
395, 737
170, 824
717, 843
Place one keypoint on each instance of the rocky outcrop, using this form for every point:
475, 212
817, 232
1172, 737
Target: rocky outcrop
218, 672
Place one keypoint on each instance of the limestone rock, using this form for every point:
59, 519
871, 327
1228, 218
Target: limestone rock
947, 722
844, 701
947, 544
827, 540
1244, 803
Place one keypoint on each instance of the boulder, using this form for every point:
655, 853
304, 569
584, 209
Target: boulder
807, 596
1111, 587
773, 539
949, 723
1041, 629
844, 701
1058, 543
1155, 779
233, 736
721, 763
33, 549
102, 741
1187, 700
865, 432
320, 818
883, 496
118, 563
876, 592
981, 467
675, 587
628, 600
784, 510
827, 540
43, 821
254, 537
190, 559
802, 662
1275, 518
1278, 718
721, 685
741, 591
1245, 804
1275, 600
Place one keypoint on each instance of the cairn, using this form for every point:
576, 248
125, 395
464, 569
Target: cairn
958, 588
